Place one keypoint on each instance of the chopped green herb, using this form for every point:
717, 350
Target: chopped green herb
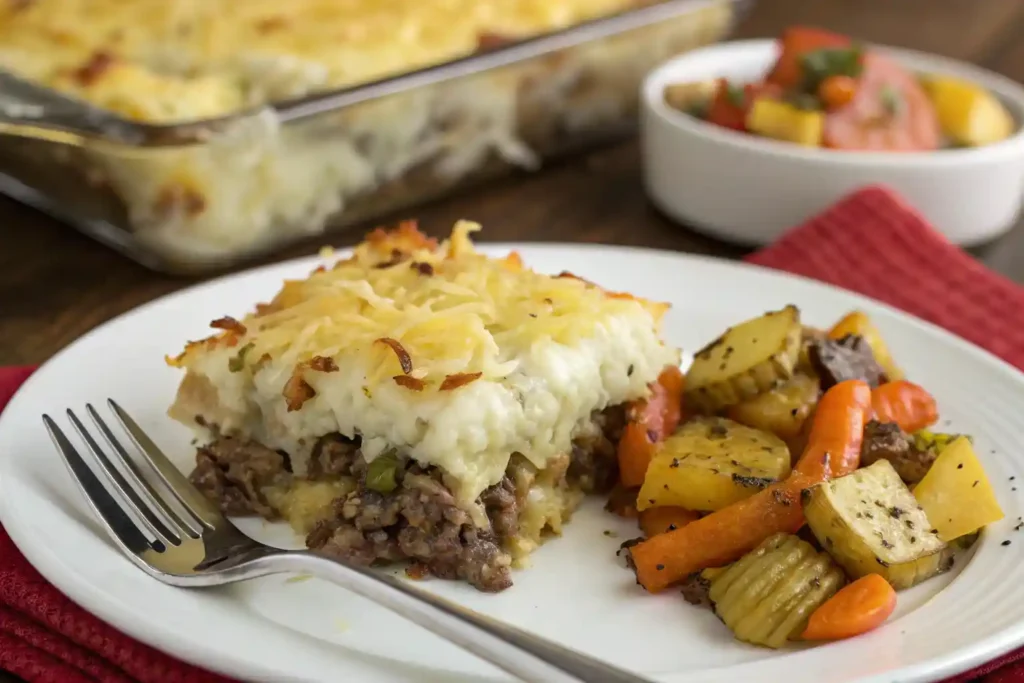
380, 474
237, 362
830, 61
891, 100
736, 95
698, 110
804, 101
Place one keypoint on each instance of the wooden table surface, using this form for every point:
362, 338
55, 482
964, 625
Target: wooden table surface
55, 284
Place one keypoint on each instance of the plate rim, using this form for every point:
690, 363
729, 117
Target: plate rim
162, 638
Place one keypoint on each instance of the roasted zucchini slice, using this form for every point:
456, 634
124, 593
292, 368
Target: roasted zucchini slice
710, 463
956, 493
746, 360
870, 522
767, 596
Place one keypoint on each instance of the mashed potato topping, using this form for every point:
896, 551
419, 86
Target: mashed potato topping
434, 350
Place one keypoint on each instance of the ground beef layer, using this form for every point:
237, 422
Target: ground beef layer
418, 521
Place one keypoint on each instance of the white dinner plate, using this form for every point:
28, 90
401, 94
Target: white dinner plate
577, 592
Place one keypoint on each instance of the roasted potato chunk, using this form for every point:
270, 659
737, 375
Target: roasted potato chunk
745, 361
956, 494
872, 524
712, 462
782, 410
767, 596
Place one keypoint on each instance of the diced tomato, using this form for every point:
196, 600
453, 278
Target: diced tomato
728, 106
731, 103
890, 112
795, 42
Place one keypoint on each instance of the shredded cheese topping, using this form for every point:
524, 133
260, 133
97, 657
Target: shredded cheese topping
438, 316
169, 60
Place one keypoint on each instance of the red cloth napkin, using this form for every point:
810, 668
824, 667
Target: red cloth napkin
46, 638
870, 242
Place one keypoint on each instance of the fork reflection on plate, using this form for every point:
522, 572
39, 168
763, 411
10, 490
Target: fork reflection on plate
191, 544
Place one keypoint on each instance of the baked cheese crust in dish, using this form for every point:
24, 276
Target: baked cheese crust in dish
420, 402
262, 182
166, 61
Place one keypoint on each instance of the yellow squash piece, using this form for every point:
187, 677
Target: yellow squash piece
767, 596
746, 360
870, 523
956, 493
710, 463
969, 114
780, 411
858, 323
779, 120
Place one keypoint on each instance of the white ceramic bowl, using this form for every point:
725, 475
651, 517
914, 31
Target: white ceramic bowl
749, 190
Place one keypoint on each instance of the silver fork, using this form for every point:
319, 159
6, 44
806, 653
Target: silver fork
202, 548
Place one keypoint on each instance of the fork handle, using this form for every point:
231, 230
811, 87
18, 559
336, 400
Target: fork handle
521, 654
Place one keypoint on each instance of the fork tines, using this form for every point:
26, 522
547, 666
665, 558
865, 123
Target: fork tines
156, 522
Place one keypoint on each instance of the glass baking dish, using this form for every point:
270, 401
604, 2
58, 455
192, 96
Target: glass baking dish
202, 196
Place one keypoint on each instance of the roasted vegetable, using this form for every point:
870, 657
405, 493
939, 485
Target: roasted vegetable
969, 115
768, 595
956, 494
648, 422
710, 463
746, 360
886, 441
658, 520
781, 411
858, 323
837, 360
807, 336
857, 608
906, 404
871, 524
935, 442
778, 120
833, 448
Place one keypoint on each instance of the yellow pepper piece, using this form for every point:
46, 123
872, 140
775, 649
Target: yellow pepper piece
969, 114
956, 494
782, 121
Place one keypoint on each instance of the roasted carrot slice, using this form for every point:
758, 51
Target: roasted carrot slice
906, 404
650, 422
833, 449
659, 520
857, 608
890, 112
795, 42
